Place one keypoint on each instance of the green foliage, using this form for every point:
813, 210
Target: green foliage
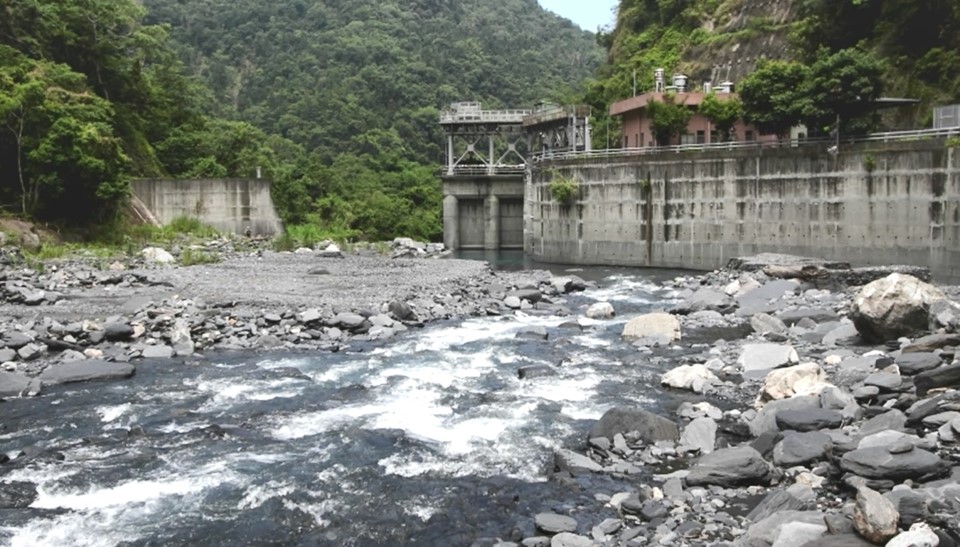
563, 189
843, 84
775, 97
953, 142
723, 112
668, 119
869, 163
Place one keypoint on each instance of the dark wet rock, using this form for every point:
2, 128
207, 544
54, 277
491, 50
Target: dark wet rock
897, 305
948, 376
402, 311
650, 427
17, 495
16, 340
885, 381
879, 463
801, 448
553, 523
766, 419
915, 363
811, 419
530, 295
730, 467
533, 333
941, 403
530, 372
118, 332
84, 371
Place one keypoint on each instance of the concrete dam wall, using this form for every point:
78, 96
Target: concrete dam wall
229, 205
872, 204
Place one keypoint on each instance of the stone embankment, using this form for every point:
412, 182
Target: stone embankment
76, 321
836, 421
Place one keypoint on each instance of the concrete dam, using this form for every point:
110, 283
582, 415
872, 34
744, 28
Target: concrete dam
873, 203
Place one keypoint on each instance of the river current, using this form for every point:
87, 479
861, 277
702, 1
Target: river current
426, 439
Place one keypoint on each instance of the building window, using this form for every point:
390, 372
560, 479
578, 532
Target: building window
749, 136
626, 141
643, 141
701, 137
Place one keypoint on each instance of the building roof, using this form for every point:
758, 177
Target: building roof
641, 101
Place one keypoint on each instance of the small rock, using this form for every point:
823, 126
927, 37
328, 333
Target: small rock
874, 516
601, 310
553, 523
652, 325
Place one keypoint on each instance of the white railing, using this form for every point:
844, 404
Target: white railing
892, 136
484, 116
480, 170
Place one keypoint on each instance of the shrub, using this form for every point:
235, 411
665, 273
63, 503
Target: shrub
564, 189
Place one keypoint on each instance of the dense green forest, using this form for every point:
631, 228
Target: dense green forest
336, 101
916, 42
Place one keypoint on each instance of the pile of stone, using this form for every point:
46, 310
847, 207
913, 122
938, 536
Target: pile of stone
847, 431
404, 247
49, 336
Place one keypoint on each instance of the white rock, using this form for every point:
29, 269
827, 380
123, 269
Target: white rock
696, 378
303, 251
158, 255
805, 379
733, 288
652, 325
699, 435
601, 310
757, 359
919, 535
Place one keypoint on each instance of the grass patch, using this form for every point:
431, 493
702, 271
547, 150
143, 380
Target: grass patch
309, 235
195, 257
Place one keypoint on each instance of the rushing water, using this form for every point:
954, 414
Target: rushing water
427, 439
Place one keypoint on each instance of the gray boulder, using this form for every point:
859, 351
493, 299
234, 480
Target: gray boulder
810, 419
567, 539
817, 315
766, 419
699, 435
553, 523
914, 363
879, 463
573, 463
118, 332
652, 325
932, 342
85, 371
703, 300
650, 427
874, 516
897, 305
945, 314
757, 359
737, 466
801, 448
767, 531
159, 351
939, 377
17, 385
797, 497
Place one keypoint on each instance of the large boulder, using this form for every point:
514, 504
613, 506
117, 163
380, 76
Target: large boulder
17, 385
649, 426
85, 371
880, 462
805, 379
601, 310
696, 378
705, 300
874, 516
652, 325
741, 465
897, 305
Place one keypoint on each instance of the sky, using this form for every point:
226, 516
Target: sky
589, 14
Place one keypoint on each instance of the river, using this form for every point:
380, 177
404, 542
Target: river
426, 439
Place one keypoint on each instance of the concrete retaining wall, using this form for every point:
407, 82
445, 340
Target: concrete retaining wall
873, 204
229, 205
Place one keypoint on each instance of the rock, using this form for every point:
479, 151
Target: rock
652, 324
835, 398
84, 371
7, 354
348, 320
573, 463
552, 523
704, 300
766, 419
699, 435
536, 332
879, 463
932, 342
766, 532
311, 315
839, 540
757, 359
650, 427
919, 535
801, 448
30, 241
945, 314
16, 340
157, 255
17, 495
943, 402
730, 467
817, 315
874, 516
812, 419
844, 335
696, 378
17, 385
566, 539
890, 438
159, 351
886, 381
402, 311
763, 323
897, 305
512, 302
805, 379
30, 352
915, 363
948, 376
601, 310
794, 498
118, 332
799, 534
890, 420
772, 290
530, 372
331, 251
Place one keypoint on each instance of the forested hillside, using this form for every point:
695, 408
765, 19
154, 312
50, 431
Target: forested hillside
336, 101
917, 41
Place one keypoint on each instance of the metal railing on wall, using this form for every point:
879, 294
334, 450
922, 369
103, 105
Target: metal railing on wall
893, 136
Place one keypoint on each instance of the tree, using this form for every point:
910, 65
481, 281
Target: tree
70, 165
668, 119
723, 113
775, 96
844, 86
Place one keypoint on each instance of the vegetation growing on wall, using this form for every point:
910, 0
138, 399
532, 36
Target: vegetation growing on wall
563, 188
